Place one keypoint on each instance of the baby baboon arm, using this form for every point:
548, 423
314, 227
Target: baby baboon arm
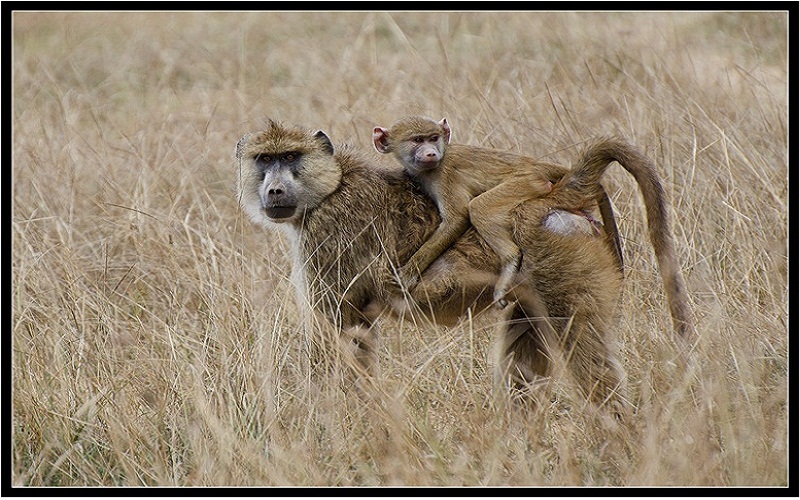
450, 230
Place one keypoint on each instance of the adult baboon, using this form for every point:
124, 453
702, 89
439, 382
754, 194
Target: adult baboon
352, 225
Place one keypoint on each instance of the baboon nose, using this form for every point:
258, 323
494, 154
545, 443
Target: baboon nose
275, 189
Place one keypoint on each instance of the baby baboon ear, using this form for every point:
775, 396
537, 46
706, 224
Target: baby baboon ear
446, 127
380, 139
326, 142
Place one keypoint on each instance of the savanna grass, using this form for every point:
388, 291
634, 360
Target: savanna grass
156, 339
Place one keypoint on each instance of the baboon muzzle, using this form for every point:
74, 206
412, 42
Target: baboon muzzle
276, 201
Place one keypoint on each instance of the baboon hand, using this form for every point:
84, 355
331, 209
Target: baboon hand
408, 278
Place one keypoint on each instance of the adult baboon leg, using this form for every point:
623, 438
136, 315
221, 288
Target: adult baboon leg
592, 361
520, 354
361, 346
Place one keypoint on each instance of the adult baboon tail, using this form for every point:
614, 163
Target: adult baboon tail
585, 178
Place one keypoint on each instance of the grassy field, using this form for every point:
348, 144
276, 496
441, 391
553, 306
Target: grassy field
155, 336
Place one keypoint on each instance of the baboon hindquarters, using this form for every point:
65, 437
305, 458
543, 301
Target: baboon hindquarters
574, 281
566, 292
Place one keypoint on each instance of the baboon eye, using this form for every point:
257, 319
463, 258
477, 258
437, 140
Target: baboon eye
417, 139
265, 158
289, 156
434, 138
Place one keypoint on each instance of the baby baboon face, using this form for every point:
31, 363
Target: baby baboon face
418, 143
283, 172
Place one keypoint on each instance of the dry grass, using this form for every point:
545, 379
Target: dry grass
155, 336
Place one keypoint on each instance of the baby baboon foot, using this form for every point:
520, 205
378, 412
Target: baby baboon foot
507, 274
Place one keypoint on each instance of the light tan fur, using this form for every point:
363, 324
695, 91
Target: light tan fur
469, 185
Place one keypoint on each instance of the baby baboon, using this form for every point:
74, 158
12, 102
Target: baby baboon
350, 224
469, 184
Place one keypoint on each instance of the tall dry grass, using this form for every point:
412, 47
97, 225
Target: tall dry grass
155, 336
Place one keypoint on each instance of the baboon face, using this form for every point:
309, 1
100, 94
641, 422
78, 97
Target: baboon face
418, 143
284, 172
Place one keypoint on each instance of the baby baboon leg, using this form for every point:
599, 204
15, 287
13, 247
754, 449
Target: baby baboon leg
490, 213
504, 280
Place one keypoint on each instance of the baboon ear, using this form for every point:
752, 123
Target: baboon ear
380, 139
326, 142
240, 145
446, 128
